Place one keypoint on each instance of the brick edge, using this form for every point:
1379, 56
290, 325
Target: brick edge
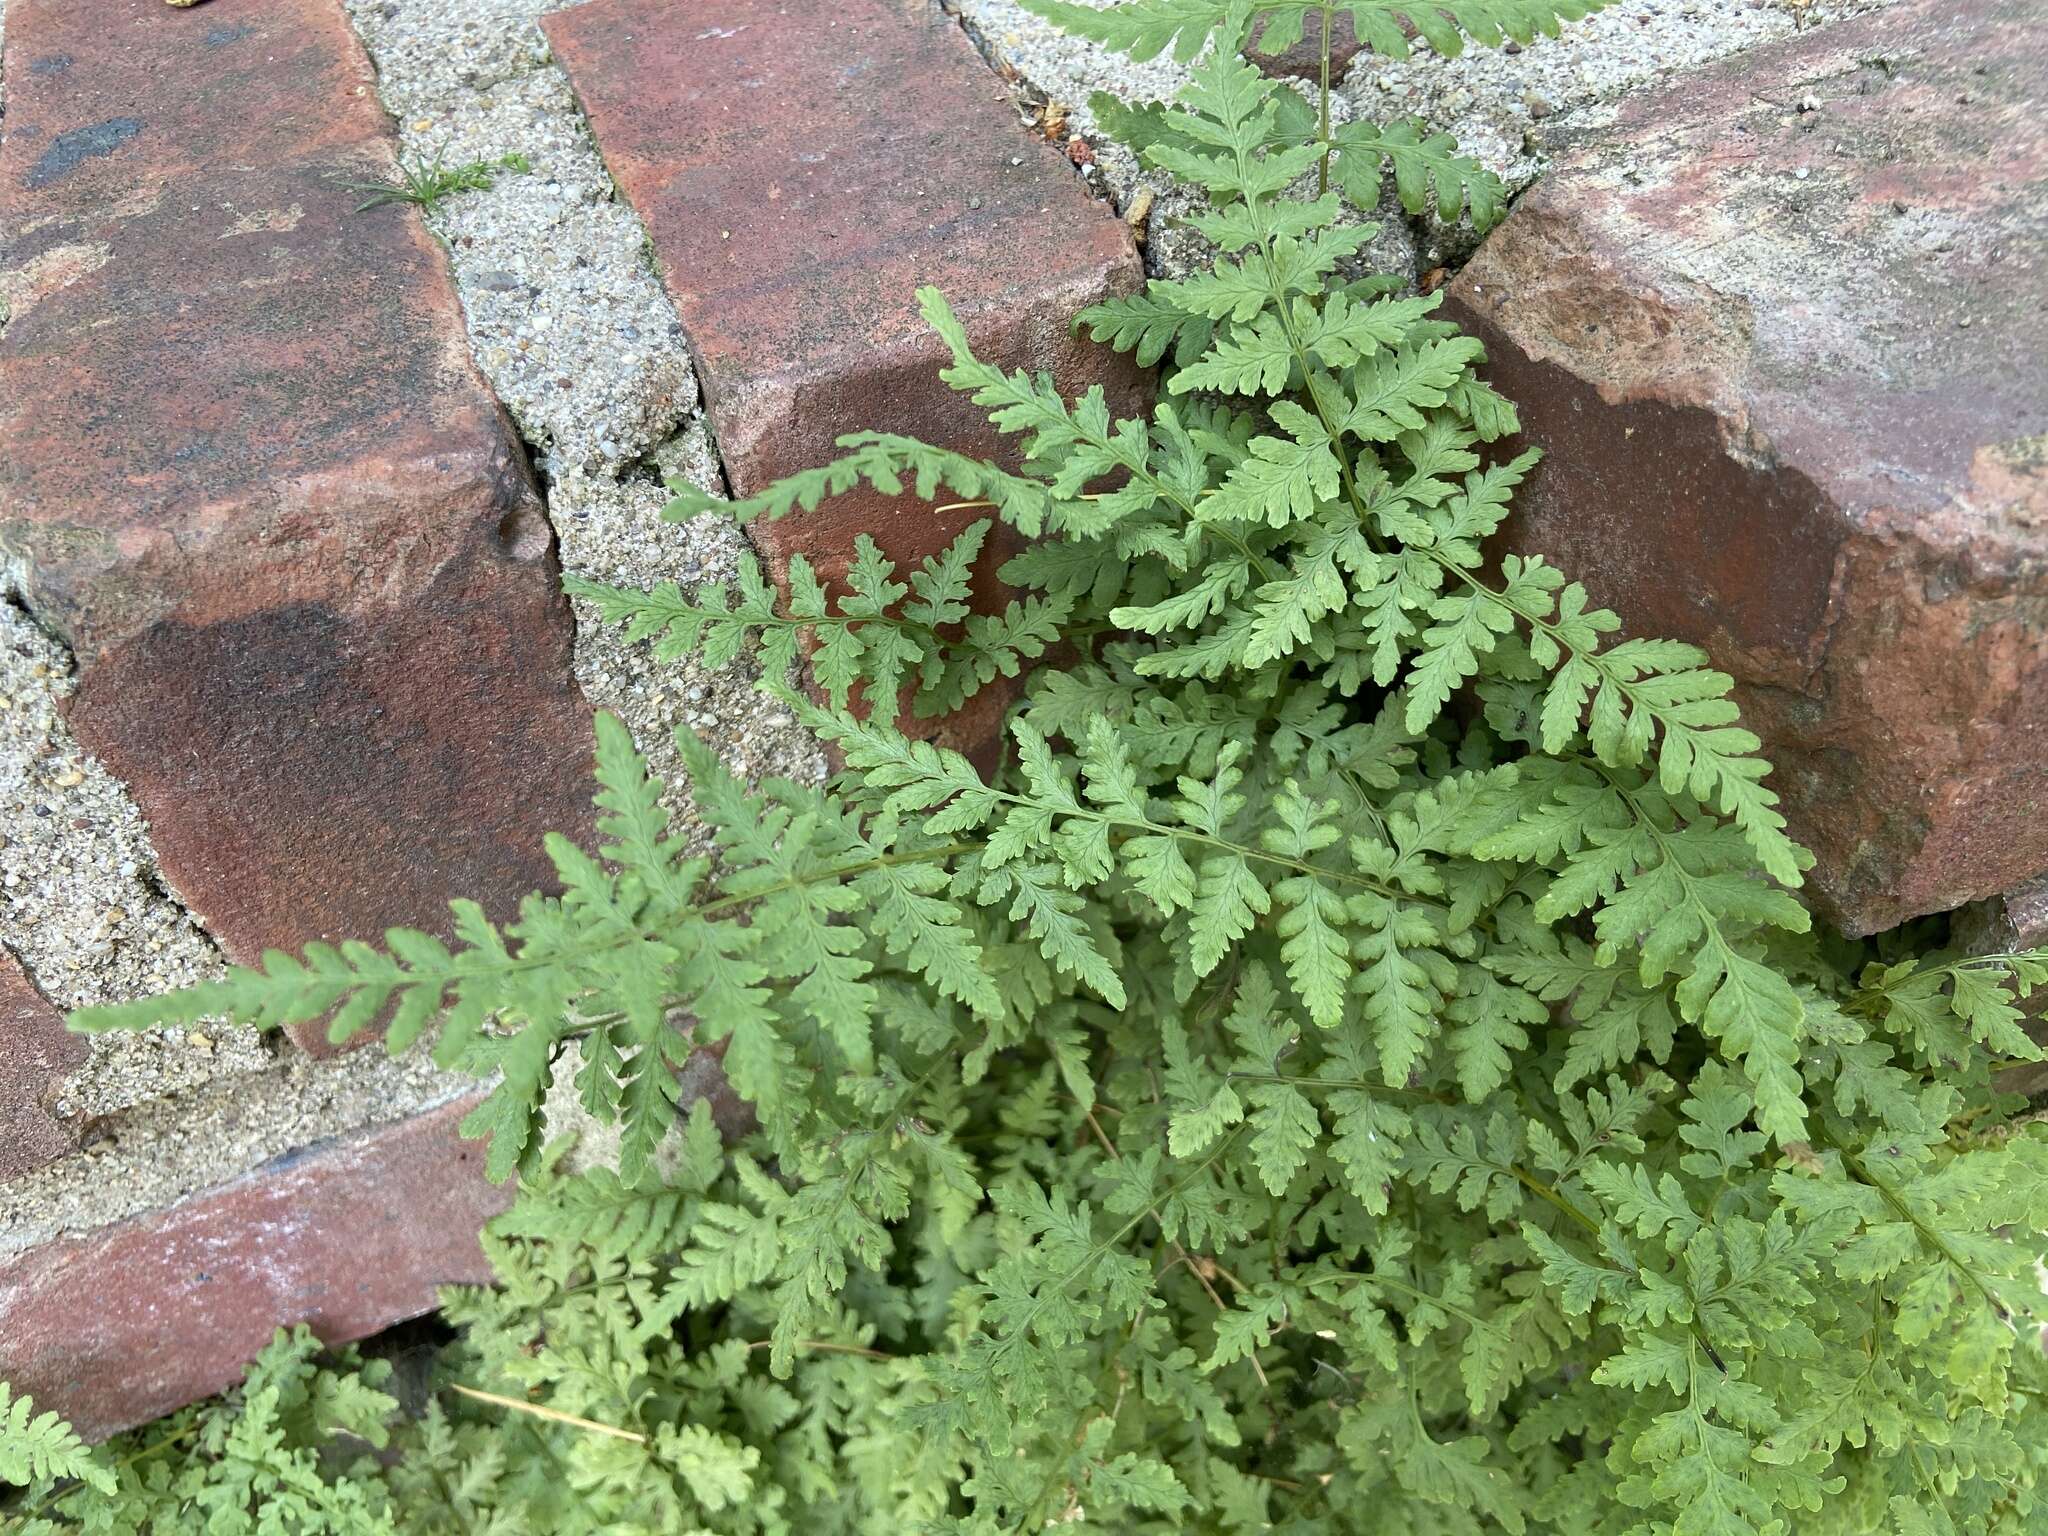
115, 1327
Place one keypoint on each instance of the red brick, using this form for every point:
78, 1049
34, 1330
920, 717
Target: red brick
1791, 374
124, 1324
36, 1051
802, 169
259, 486
2026, 909
2016, 920
1303, 59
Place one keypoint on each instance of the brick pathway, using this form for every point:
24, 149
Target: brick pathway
802, 169
259, 487
255, 483
261, 492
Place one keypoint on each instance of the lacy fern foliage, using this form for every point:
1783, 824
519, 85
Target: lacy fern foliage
1361, 1063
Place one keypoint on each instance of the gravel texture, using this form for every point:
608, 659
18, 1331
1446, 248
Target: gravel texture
611, 531
81, 901
1507, 109
175, 1146
573, 329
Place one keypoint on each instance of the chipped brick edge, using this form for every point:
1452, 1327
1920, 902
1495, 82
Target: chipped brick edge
36, 1054
119, 1326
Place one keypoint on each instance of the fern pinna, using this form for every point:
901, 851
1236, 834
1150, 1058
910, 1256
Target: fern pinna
1360, 1065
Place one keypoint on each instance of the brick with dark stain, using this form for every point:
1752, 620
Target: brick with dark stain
1792, 384
115, 1327
802, 169
72, 148
255, 482
36, 1054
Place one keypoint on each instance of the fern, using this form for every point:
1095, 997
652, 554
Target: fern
263, 1458
1146, 28
1359, 1062
41, 1448
857, 642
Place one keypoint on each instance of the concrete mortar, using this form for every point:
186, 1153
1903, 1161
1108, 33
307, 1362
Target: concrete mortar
573, 329
1503, 107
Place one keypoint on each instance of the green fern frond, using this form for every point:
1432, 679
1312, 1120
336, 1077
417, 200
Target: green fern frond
40, 1449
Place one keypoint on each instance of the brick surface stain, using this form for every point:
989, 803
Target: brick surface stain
68, 151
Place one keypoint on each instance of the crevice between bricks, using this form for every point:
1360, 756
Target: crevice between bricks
570, 325
87, 909
149, 875
559, 282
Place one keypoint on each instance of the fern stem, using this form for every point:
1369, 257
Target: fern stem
1863, 997
1323, 169
1341, 1084
1285, 313
541, 1411
690, 916
1709, 920
1141, 471
837, 872
1182, 1256
1376, 1277
1224, 844
1592, 657
826, 1346
1550, 1195
1058, 1287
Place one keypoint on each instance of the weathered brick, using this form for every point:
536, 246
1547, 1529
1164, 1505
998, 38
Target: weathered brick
36, 1051
124, 1324
802, 169
255, 481
1303, 58
1790, 370
2026, 910
2016, 920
